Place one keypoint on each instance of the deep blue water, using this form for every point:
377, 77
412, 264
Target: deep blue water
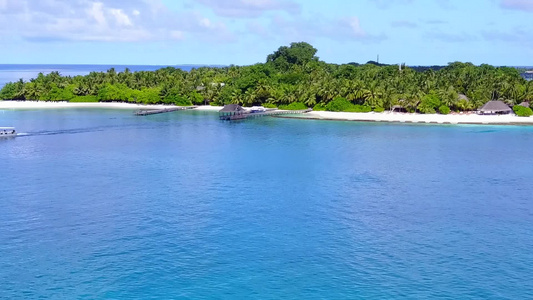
11, 73
101, 204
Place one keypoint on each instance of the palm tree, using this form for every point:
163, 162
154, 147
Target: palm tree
448, 96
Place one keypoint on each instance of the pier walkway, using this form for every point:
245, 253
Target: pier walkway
146, 112
240, 115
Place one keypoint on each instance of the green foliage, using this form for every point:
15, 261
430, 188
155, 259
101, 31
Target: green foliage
269, 105
297, 54
522, 111
293, 106
362, 108
226, 96
195, 98
379, 109
148, 96
89, 98
425, 109
429, 104
58, 94
292, 74
182, 102
291, 78
346, 72
339, 104
177, 100
443, 109
319, 107
12, 91
118, 92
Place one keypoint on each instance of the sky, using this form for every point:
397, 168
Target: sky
244, 32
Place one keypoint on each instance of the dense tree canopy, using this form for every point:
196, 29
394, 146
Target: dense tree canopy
297, 54
291, 75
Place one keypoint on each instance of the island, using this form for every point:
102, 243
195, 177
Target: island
294, 78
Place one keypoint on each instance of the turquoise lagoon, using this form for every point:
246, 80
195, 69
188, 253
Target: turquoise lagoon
100, 204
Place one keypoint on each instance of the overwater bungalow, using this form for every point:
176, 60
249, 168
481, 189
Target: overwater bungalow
232, 112
495, 107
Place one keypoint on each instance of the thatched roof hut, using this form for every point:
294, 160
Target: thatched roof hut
398, 108
495, 107
232, 112
524, 104
231, 108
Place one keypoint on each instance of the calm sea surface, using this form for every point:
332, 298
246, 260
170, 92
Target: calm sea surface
100, 204
12, 73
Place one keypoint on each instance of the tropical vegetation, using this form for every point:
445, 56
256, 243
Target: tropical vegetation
522, 111
292, 77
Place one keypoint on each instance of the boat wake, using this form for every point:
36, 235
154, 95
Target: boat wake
65, 131
74, 130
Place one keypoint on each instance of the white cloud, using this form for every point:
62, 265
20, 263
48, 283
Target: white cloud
353, 22
403, 23
121, 18
177, 35
250, 8
205, 22
385, 4
96, 11
105, 21
525, 5
319, 27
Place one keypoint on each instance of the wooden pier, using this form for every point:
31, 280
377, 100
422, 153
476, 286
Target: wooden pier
238, 113
146, 112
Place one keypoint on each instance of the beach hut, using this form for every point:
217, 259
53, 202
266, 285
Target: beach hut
495, 107
398, 108
462, 97
524, 104
232, 112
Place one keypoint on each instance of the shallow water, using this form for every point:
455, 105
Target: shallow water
102, 204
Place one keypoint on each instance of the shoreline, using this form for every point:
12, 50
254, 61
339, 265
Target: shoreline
414, 118
387, 117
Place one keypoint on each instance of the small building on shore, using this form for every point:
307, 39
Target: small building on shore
495, 107
398, 108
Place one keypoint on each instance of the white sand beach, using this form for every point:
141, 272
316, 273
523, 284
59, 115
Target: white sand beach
420, 118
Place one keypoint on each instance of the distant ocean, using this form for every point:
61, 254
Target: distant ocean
10, 73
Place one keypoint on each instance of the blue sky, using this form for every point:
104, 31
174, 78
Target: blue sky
241, 32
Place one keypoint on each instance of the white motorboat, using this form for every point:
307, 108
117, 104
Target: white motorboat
7, 132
